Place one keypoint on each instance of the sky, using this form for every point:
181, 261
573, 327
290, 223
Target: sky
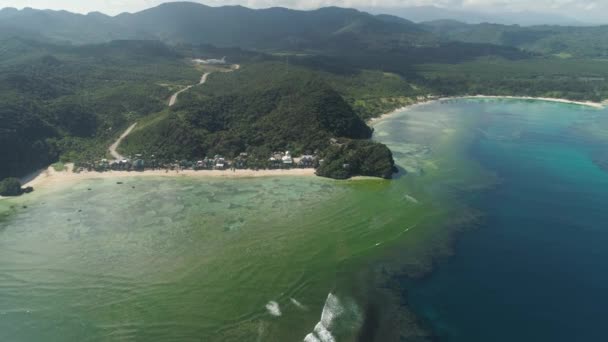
586, 10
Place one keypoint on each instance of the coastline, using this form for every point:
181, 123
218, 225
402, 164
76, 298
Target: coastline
49, 176
43, 178
596, 105
46, 177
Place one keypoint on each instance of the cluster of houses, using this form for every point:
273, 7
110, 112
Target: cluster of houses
277, 160
280, 160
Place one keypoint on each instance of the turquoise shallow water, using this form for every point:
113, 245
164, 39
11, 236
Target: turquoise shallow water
537, 268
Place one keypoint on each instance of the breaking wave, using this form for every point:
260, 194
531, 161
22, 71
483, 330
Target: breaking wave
298, 304
273, 308
334, 314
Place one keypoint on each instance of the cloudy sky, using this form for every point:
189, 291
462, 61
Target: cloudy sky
588, 10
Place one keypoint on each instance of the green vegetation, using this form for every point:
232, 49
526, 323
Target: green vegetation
573, 79
548, 40
10, 187
373, 93
69, 102
350, 158
59, 166
72, 101
260, 109
184, 22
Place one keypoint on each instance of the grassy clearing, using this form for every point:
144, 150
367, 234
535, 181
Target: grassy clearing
59, 167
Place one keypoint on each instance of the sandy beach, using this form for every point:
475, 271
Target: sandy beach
51, 176
597, 105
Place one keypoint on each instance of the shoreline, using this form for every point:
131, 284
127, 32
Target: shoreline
50, 176
45, 177
596, 105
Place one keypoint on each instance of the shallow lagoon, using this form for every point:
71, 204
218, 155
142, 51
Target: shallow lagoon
256, 259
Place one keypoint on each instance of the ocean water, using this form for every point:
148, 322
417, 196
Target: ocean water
537, 267
311, 259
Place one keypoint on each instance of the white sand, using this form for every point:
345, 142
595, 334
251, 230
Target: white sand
598, 105
548, 99
50, 176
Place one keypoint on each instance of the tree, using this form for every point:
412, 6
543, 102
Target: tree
10, 187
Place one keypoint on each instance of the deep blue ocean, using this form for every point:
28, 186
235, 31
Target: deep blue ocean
537, 267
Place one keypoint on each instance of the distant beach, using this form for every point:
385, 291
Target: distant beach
597, 105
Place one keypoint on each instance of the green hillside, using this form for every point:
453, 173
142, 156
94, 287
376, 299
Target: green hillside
69, 103
57, 100
258, 110
548, 40
187, 22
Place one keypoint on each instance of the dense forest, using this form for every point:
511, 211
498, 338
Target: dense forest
70, 83
64, 101
261, 109
69, 102
562, 41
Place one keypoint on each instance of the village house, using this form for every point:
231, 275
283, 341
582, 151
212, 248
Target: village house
277, 160
220, 163
287, 160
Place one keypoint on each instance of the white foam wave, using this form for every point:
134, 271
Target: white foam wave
331, 310
311, 338
273, 308
323, 334
298, 304
411, 199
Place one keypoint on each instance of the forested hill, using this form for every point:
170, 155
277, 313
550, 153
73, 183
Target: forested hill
62, 100
564, 41
260, 109
329, 29
184, 22
257, 110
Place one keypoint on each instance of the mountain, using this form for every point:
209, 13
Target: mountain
552, 40
62, 25
186, 22
432, 13
336, 31
267, 28
330, 30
